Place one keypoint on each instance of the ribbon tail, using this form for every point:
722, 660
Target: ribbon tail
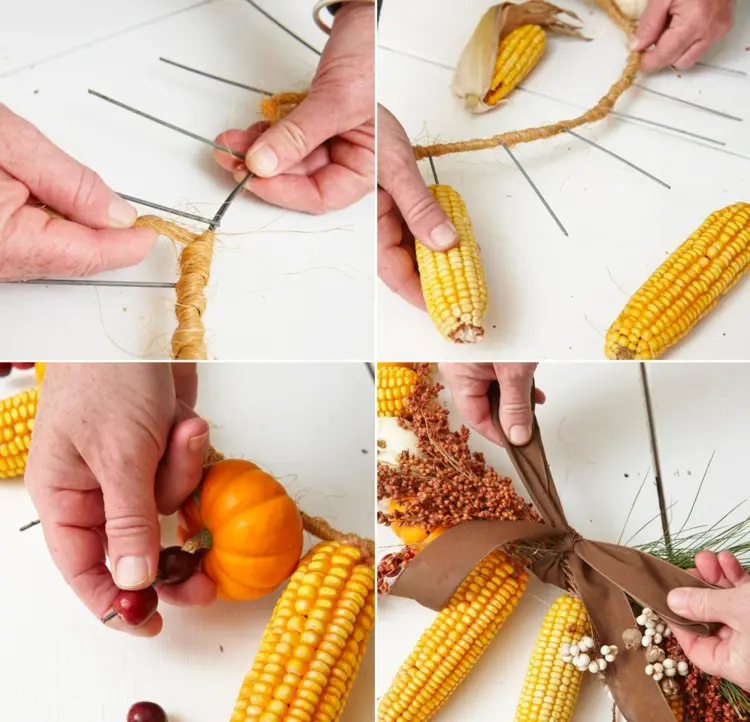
639, 699
438, 570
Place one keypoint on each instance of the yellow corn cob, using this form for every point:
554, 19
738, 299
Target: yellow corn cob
453, 643
517, 56
16, 424
453, 282
40, 369
312, 648
551, 688
684, 288
677, 705
394, 385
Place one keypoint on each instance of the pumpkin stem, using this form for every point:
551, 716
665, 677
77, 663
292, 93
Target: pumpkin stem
202, 540
319, 527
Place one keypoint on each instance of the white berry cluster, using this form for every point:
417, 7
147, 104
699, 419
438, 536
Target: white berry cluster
655, 630
582, 655
667, 668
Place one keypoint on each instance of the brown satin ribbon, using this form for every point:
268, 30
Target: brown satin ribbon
602, 574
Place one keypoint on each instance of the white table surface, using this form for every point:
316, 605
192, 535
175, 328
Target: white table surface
310, 425
596, 438
284, 285
551, 296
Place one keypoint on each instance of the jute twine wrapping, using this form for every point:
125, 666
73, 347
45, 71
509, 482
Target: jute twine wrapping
315, 525
600, 111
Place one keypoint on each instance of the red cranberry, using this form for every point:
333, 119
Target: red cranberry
5, 369
146, 712
176, 566
24, 366
135, 608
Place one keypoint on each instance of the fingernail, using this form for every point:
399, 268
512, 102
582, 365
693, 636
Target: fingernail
444, 236
131, 572
677, 600
520, 435
121, 213
634, 43
240, 175
262, 161
197, 442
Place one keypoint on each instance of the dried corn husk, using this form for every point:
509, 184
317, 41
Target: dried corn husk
475, 68
632, 9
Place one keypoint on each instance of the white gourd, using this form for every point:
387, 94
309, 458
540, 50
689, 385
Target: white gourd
632, 8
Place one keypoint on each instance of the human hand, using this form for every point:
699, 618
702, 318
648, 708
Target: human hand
114, 444
406, 210
727, 653
469, 384
96, 235
681, 31
321, 157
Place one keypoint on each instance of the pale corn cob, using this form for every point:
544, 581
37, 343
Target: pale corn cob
312, 647
684, 288
16, 424
453, 643
551, 688
453, 282
517, 56
395, 384
677, 705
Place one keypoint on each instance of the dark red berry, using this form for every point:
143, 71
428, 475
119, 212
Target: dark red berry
24, 366
176, 566
5, 369
146, 712
135, 608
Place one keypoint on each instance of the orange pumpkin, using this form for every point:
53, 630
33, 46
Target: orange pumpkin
250, 526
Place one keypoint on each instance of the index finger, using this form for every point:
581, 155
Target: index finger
669, 48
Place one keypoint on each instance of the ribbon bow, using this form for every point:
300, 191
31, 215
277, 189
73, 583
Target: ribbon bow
603, 575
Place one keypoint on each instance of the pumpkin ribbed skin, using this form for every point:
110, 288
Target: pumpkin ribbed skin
255, 527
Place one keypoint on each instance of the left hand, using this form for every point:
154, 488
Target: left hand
321, 157
469, 384
727, 654
681, 31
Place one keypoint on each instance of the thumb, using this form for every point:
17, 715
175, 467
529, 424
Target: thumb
705, 605
651, 25
58, 180
421, 212
516, 416
132, 525
181, 468
293, 138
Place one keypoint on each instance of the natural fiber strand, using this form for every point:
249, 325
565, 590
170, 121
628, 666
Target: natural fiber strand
600, 111
278, 106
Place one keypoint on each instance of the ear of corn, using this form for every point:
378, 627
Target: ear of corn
551, 688
453, 282
395, 385
453, 643
684, 288
312, 648
677, 705
517, 56
16, 424
40, 368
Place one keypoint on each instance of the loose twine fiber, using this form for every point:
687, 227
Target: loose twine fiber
316, 525
600, 111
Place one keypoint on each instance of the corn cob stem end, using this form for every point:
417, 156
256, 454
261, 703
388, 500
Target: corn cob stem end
467, 333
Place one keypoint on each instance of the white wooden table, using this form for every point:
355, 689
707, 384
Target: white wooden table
551, 296
596, 438
283, 284
309, 425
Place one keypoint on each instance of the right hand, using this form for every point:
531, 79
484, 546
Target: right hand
97, 235
114, 445
406, 210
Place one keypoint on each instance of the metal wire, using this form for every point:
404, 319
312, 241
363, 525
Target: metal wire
283, 27
228, 202
217, 77
176, 128
95, 283
166, 209
704, 108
